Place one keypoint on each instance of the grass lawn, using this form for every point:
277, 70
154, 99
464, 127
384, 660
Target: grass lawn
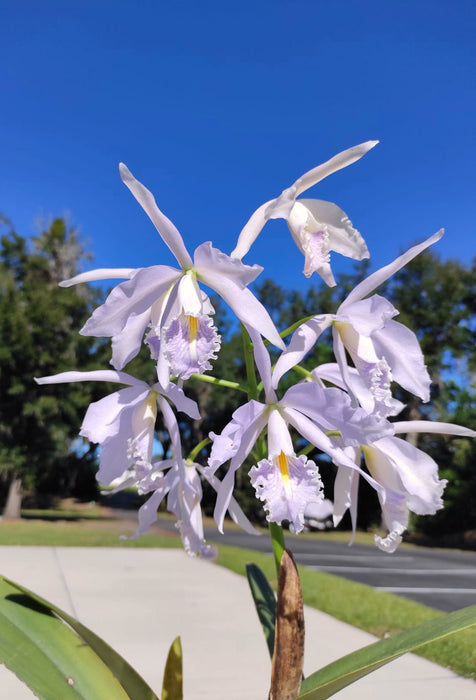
374, 611
70, 529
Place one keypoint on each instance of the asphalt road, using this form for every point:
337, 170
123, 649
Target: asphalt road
441, 579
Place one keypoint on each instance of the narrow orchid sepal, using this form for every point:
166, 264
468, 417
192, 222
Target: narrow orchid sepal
100, 375
168, 232
430, 426
370, 283
333, 165
99, 274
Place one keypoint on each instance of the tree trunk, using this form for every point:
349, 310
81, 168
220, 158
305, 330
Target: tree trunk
13, 505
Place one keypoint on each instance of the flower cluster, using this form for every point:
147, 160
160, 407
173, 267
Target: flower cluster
340, 408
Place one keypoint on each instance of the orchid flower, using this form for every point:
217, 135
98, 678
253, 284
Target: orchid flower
182, 336
317, 227
284, 481
123, 423
382, 349
182, 486
408, 475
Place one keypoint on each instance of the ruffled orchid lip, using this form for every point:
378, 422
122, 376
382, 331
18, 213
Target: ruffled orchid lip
287, 484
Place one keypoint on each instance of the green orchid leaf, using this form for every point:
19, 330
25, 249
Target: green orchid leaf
265, 603
341, 673
58, 660
172, 687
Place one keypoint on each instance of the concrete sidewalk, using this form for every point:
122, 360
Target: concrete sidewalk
138, 600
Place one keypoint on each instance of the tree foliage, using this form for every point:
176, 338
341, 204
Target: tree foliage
38, 336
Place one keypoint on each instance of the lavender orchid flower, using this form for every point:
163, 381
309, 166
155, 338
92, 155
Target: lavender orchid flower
182, 336
408, 475
382, 349
317, 227
284, 481
180, 482
123, 422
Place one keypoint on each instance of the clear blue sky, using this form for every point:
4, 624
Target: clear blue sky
218, 106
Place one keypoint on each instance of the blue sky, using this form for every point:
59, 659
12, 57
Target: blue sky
218, 106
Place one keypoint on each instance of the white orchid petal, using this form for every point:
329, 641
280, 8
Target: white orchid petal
279, 437
169, 234
147, 513
225, 446
302, 341
345, 493
236, 513
251, 231
312, 239
245, 305
337, 162
190, 296
343, 237
113, 460
102, 417
247, 440
263, 363
172, 427
400, 347
127, 343
367, 315
100, 274
208, 259
400, 466
97, 375
331, 409
427, 426
341, 357
377, 278
224, 496
181, 402
132, 297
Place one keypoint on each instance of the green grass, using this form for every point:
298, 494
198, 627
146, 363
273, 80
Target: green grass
362, 606
79, 533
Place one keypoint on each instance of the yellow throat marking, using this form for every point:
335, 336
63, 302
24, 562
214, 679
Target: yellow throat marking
192, 334
283, 467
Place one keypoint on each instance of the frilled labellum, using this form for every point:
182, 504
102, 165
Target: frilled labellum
286, 484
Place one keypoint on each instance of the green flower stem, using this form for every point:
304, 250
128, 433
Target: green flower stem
303, 372
309, 448
220, 382
291, 329
197, 449
250, 365
277, 540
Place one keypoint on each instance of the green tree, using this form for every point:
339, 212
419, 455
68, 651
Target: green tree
39, 325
